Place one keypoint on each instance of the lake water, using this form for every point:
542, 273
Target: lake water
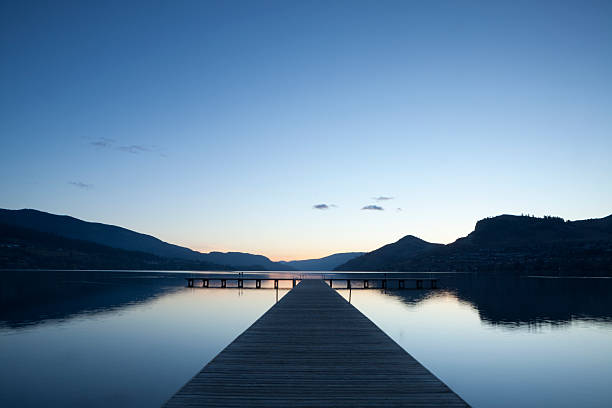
86, 338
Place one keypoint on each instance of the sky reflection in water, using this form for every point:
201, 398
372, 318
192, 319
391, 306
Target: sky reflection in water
100, 338
133, 354
527, 357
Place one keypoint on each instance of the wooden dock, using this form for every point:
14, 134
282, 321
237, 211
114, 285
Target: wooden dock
314, 349
366, 282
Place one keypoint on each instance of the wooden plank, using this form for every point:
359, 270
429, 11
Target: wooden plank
314, 349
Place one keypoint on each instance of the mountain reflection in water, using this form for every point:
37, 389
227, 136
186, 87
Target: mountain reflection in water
519, 301
505, 341
31, 297
27, 298
99, 338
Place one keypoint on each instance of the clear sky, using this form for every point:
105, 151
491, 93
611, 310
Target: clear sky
219, 125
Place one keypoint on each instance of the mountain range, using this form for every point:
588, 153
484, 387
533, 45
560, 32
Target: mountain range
505, 243
386, 257
25, 248
327, 263
35, 239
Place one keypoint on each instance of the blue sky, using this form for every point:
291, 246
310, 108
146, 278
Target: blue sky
218, 125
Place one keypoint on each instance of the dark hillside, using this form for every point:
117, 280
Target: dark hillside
23, 248
514, 244
388, 255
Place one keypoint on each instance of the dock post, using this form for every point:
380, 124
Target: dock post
223, 283
434, 283
401, 284
294, 283
190, 283
384, 284
204, 283
348, 283
275, 283
330, 283
258, 284
240, 283
419, 284
366, 284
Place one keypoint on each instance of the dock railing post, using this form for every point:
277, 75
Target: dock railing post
294, 283
331, 283
204, 283
275, 283
223, 283
348, 283
240, 283
366, 284
258, 284
419, 284
401, 284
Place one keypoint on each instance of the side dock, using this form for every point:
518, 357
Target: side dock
314, 349
382, 283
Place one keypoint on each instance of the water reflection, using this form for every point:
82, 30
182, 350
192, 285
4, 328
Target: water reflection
29, 298
505, 342
526, 301
113, 339
87, 338
33, 297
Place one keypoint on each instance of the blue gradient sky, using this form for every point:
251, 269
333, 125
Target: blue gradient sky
219, 125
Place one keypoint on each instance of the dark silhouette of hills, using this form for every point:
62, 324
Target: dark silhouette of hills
122, 238
508, 243
24, 248
519, 230
388, 255
327, 263
109, 235
245, 261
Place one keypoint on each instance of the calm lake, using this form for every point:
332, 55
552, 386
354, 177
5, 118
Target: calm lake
100, 338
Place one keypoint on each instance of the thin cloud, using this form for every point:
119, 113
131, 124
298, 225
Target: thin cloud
107, 143
80, 184
372, 207
102, 142
134, 149
399, 209
324, 206
383, 198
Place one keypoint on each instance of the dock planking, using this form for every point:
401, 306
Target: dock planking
314, 349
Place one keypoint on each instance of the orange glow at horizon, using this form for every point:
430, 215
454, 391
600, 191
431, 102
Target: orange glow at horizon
288, 256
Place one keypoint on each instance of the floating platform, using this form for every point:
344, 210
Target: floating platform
314, 349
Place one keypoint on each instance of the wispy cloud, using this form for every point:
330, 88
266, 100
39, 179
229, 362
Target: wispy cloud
372, 207
106, 143
135, 149
383, 198
323, 206
80, 184
103, 142
399, 209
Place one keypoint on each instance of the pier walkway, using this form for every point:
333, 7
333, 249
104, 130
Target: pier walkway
314, 349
